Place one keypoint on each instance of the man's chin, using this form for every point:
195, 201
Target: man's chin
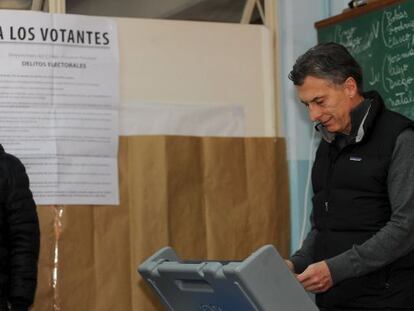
332, 129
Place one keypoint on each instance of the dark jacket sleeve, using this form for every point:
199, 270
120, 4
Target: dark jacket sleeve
23, 235
303, 257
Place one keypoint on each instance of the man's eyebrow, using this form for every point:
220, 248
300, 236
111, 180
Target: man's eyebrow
317, 98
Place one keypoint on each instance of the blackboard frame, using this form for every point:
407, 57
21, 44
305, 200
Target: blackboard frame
358, 11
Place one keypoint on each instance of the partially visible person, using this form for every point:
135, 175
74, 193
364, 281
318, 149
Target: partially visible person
359, 254
19, 236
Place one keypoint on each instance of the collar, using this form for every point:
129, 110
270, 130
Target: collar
362, 118
358, 118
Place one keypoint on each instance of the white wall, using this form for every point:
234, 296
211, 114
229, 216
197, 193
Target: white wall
337, 6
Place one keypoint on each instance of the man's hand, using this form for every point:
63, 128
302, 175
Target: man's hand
316, 278
290, 265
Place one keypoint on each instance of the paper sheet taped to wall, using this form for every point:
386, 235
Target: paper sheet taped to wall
59, 104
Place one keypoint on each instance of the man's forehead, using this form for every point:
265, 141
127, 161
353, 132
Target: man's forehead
309, 94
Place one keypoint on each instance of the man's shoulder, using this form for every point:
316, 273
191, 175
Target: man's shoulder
9, 162
405, 139
397, 116
407, 134
390, 124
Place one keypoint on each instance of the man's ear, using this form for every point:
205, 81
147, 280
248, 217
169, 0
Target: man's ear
351, 87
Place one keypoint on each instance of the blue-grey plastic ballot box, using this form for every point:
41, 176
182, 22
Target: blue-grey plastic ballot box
262, 282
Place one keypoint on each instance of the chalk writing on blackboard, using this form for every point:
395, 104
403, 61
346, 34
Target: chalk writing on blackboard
383, 43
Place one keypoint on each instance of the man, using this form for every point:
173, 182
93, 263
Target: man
19, 236
359, 253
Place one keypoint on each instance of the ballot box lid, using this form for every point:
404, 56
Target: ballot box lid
261, 282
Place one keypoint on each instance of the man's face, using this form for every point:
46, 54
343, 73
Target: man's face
327, 103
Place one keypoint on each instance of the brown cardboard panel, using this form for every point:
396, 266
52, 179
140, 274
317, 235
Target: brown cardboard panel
282, 198
94, 253
45, 290
226, 197
76, 259
215, 198
267, 180
186, 206
260, 178
112, 245
148, 207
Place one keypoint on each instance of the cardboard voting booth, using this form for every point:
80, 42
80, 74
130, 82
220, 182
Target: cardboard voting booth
262, 282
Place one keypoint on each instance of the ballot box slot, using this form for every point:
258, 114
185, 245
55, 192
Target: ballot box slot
194, 286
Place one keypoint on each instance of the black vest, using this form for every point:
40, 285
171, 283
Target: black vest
351, 204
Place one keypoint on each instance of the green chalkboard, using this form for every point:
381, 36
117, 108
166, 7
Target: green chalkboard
381, 38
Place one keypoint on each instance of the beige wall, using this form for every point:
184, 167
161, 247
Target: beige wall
199, 63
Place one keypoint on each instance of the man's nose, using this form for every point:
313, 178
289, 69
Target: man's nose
314, 113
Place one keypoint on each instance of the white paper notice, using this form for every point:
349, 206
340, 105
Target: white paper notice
59, 97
